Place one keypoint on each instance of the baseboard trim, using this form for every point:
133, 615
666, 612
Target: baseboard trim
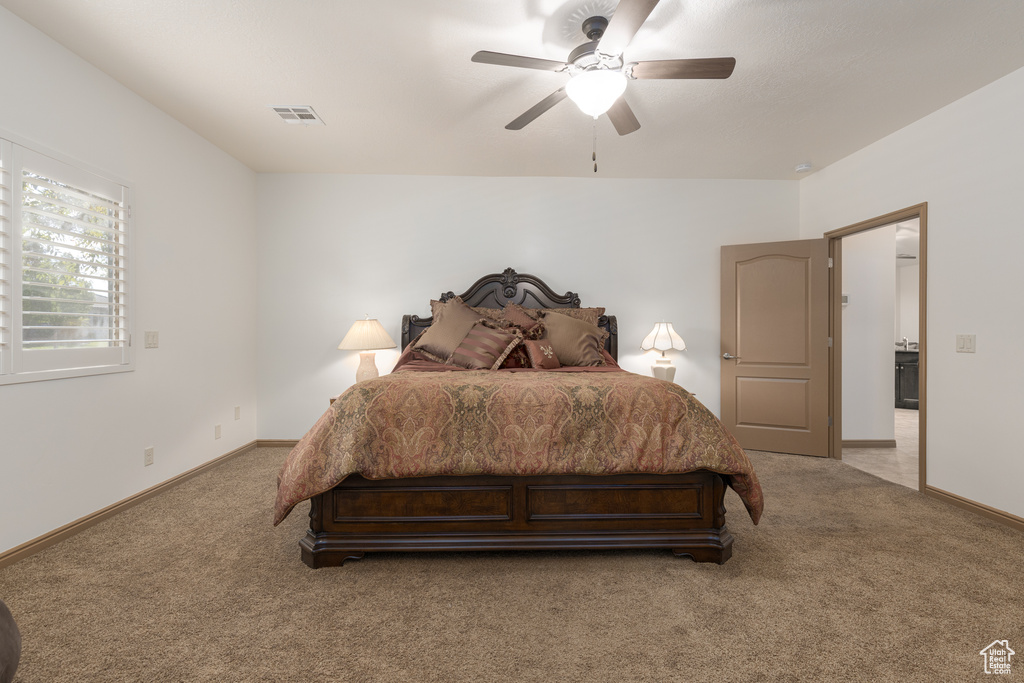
277, 443
869, 443
992, 513
39, 543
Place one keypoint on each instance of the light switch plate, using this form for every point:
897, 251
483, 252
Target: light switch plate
152, 340
965, 343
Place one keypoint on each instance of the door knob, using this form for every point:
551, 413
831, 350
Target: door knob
729, 356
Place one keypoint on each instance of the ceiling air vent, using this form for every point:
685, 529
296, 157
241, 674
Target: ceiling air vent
293, 113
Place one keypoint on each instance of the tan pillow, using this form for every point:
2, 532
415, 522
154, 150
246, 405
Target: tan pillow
452, 322
542, 354
485, 347
590, 315
576, 342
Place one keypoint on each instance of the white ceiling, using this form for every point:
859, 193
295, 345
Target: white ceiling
815, 79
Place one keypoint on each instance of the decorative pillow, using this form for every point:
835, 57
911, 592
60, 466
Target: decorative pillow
542, 354
485, 347
493, 314
590, 315
452, 322
516, 315
576, 342
517, 359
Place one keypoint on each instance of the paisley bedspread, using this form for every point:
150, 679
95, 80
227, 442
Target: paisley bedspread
418, 424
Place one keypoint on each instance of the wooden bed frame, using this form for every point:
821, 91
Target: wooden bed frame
684, 513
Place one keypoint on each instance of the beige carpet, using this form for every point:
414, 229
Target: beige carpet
848, 577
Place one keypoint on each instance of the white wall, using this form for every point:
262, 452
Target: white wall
869, 369
71, 447
333, 247
908, 288
965, 160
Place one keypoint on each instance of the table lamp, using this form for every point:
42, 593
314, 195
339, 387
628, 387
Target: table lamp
663, 338
366, 336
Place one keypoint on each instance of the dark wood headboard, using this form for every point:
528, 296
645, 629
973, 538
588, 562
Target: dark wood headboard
499, 289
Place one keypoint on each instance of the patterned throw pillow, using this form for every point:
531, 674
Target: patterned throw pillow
485, 347
576, 342
542, 354
492, 314
590, 315
452, 322
516, 315
517, 359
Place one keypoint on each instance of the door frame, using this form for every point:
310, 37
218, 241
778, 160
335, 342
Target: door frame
835, 252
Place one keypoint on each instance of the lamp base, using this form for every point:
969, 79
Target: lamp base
367, 369
663, 369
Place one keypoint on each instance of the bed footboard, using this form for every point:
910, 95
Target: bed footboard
684, 513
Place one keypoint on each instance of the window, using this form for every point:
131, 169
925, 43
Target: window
64, 266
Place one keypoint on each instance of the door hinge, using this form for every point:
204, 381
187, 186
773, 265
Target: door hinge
829, 261
829, 420
830, 342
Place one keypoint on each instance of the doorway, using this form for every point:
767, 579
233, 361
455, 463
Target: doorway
858, 432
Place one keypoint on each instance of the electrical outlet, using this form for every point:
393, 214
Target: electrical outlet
216, 431
148, 456
152, 340
238, 412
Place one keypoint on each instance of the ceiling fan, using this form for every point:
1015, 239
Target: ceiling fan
598, 72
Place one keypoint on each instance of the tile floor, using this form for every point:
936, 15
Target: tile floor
893, 464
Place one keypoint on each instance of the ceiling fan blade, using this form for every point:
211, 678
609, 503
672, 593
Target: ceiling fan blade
628, 18
622, 117
502, 59
719, 67
537, 109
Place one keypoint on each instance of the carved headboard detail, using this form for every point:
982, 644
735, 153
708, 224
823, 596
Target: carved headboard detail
500, 289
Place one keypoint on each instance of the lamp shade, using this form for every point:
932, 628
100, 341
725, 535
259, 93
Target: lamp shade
366, 335
595, 91
662, 338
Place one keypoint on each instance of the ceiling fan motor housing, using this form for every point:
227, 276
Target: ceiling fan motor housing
593, 28
585, 55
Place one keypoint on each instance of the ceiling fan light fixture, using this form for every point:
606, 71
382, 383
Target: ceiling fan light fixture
595, 91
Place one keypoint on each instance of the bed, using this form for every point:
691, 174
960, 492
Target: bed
515, 459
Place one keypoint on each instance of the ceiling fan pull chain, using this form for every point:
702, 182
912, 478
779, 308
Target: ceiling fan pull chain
594, 156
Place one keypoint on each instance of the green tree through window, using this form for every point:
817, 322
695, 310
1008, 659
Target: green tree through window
70, 263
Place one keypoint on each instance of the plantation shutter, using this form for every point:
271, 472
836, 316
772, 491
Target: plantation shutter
6, 202
70, 250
